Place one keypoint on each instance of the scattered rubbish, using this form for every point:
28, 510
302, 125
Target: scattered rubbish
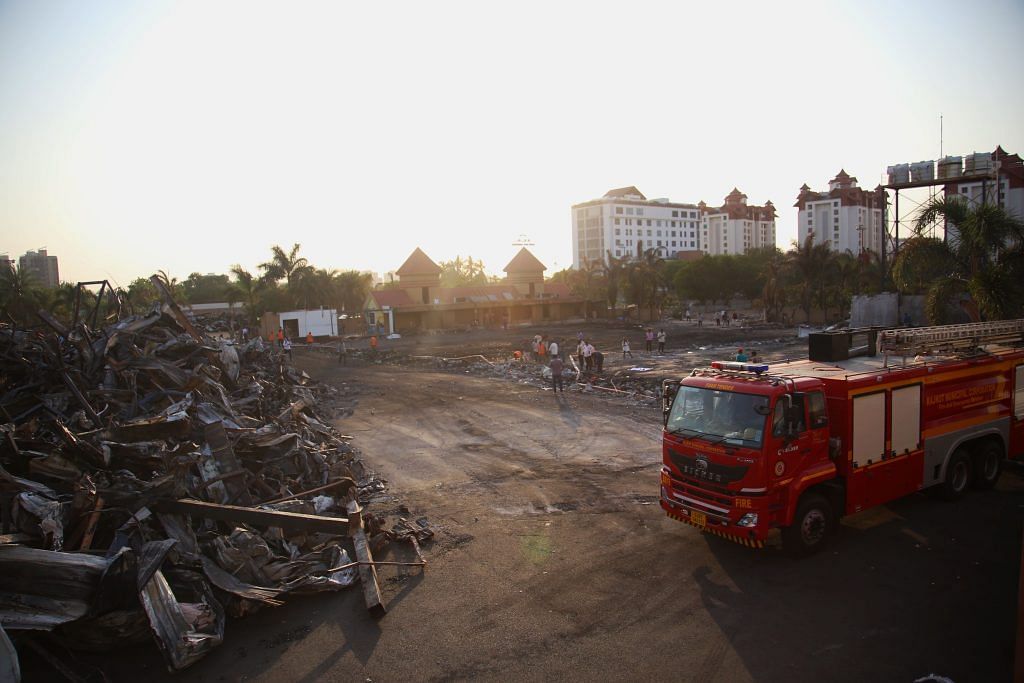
155, 480
640, 369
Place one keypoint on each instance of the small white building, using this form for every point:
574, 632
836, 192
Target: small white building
846, 218
321, 322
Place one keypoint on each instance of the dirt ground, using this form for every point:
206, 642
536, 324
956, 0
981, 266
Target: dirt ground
553, 560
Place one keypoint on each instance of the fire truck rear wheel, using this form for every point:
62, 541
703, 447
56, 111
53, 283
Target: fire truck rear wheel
988, 461
959, 474
812, 525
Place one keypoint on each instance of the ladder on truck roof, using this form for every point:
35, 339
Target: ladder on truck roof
948, 338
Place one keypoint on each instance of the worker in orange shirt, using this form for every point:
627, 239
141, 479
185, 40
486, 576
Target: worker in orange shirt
373, 345
280, 337
309, 337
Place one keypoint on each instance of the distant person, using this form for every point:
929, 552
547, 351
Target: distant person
373, 345
579, 352
287, 346
245, 334
735, 317
280, 336
648, 339
718, 321
588, 355
700, 320
557, 367
687, 315
535, 347
342, 353
625, 349
309, 338
270, 339
742, 357
754, 358
662, 337
598, 361
542, 351
553, 349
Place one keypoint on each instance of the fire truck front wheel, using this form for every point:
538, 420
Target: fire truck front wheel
812, 524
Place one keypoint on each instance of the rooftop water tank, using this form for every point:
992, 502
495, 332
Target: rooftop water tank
922, 170
950, 167
900, 173
978, 162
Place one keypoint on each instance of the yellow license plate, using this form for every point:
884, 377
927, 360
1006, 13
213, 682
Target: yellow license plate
698, 518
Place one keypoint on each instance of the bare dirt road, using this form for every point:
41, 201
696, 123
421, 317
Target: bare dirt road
554, 562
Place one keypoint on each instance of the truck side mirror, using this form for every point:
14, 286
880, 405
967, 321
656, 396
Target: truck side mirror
669, 389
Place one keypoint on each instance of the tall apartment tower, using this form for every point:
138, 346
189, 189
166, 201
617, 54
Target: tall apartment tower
846, 217
41, 266
736, 227
625, 223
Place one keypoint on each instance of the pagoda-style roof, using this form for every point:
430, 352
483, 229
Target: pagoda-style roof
418, 263
524, 262
843, 177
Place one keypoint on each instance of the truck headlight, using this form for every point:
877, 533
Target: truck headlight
748, 520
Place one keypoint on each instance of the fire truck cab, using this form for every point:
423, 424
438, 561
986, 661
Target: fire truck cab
751, 451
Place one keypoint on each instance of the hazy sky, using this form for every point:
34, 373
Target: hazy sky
188, 136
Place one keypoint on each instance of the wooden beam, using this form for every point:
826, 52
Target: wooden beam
367, 569
255, 516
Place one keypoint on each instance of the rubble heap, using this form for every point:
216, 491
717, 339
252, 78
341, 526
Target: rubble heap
154, 481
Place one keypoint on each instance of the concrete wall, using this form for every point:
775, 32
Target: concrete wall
887, 309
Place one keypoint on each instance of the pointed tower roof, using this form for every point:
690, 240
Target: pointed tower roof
418, 263
630, 191
843, 176
526, 262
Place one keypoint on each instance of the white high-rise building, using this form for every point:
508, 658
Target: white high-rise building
846, 217
736, 227
625, 223
1005, 188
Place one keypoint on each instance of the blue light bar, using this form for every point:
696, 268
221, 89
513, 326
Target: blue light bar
739, 366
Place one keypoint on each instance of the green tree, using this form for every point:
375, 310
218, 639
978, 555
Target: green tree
282, 265
248, 288
351, 290
205, 289
645, 282
20, 295
983, 258
808, 264
615, 274
462, 273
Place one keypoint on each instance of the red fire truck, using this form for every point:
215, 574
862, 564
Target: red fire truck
751, 451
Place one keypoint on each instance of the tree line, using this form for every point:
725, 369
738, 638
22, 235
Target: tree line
983, 264
286, 281
979, 269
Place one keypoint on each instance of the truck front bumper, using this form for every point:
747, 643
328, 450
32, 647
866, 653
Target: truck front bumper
718, 521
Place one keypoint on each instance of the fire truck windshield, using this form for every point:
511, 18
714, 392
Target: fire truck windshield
725, 416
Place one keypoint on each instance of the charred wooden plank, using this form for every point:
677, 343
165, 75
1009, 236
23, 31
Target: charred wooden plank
367, 570
256, 516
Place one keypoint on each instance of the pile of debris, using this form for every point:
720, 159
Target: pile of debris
154, 481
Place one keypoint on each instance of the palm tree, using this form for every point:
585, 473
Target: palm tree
20, 295
171, 284
588, 283
809, 263
284, 265
773, 294
984, 259
249, 289
351, 289
645, 280
614, 272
